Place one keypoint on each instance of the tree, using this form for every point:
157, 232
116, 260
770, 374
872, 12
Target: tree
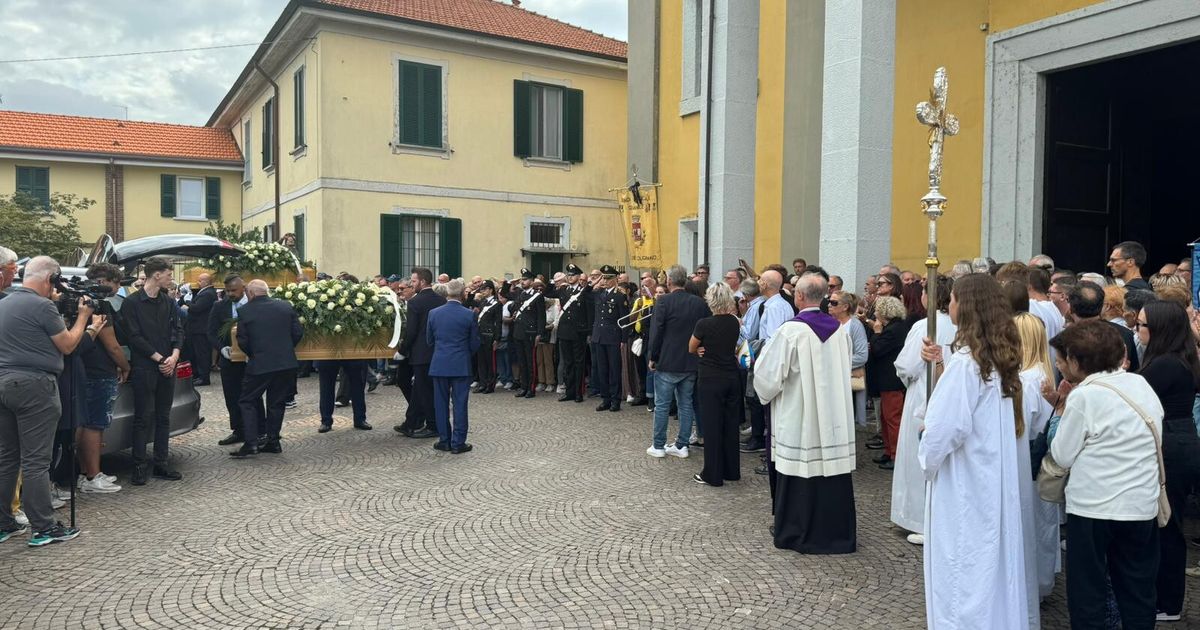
232, 232
31, 229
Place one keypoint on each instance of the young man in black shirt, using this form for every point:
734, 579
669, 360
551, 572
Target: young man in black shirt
155, 337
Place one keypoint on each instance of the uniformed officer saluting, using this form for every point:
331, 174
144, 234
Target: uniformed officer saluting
574, 325
529, 326
607, 336
489, 336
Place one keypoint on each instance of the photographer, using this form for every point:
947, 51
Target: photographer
155, 335
105, 364
33, 340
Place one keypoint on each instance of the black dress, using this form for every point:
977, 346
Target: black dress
719, 392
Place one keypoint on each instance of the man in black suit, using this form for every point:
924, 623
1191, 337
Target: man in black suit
232, 372
675, 317
264, 324
574, 325
607, 336
420, 423
489, 318
529, 327
196, 329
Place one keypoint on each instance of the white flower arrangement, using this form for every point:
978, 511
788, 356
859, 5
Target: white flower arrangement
259, 258
316, 304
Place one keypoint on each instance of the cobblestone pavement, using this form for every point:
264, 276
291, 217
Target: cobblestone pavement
557, 519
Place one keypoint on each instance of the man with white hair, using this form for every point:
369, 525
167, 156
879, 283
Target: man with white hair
453, 333
8, 269
268, 331
769, 315
1042, 261
804, 374
33, 340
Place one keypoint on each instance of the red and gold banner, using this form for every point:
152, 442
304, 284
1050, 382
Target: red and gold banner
641, 227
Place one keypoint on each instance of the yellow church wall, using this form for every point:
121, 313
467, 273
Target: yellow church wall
959, 44
77, 178
768, 161
678, 137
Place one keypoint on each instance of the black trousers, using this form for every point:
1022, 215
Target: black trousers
593, 363
758, 418
421, 402
485, 364
278, 388
232, 375
1172, 581
201, 356
573, 353
720, 399
525, 363
1125, 551
608, 378
350, 378
153, 394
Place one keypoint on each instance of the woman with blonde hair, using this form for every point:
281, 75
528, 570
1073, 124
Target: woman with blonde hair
718, 387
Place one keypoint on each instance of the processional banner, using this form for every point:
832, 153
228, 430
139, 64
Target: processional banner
639, 215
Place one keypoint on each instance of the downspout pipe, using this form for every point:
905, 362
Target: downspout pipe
274, 143
708, 129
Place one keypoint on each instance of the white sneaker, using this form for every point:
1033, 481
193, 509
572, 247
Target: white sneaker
695, 439
112, 478
681, 453
56, 503
60, 494
474, 383
99, 484
656, 452
562, 389
508, 385
916, 539
1162, 616
20, 518
629, 399
745, 431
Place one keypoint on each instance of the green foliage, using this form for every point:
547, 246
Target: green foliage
30, 229
259, 259
232, 232
340, 310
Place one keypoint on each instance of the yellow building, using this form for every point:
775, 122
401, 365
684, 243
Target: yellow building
476, 139
146, 178
783, 129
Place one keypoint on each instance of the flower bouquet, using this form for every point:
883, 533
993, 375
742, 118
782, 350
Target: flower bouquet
342, 320
270, 262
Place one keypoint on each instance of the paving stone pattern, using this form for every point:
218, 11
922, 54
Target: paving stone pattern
557, 519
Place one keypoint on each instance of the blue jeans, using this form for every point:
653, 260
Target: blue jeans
101, 393
679, 387
650, 384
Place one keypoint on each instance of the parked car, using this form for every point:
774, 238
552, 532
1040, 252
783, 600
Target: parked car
185, 409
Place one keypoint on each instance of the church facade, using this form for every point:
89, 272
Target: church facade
787, 129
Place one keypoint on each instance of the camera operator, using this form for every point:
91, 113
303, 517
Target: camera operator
105, 364
33, 340
155, 335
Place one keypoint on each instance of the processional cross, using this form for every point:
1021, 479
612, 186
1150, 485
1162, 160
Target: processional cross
933, 114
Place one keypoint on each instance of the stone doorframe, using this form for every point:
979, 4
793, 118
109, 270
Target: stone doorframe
1017, 61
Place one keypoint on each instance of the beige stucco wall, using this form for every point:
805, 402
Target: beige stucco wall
143, 193
81, 179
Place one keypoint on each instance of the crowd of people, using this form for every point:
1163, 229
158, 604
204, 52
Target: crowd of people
1036, 370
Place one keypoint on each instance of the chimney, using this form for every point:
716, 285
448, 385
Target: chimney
516, 3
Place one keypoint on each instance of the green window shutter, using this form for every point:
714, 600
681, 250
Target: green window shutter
431, 106
298, 230
573, 125
389, 244
212, 198
34, 182
410, 103
450, 247
521, 119
298, 107
167, 206
268, 147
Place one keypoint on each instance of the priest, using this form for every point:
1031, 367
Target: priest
804, 374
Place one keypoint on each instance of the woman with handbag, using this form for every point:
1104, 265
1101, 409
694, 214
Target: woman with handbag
843, 306
1172, 369
1108, 441
908, 482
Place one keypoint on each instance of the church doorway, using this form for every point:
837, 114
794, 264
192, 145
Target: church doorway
1121, 158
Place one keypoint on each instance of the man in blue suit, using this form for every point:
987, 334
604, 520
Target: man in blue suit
453, 334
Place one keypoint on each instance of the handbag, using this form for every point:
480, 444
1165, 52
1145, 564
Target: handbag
636, 347
1164, 504
1052, 481
858, 380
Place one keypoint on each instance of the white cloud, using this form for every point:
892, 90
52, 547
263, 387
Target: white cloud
176, 87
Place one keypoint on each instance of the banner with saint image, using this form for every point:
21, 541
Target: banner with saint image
639, 215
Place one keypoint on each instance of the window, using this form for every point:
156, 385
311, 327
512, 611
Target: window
298, 106
545, 234
268, 135
547, 122
692, 57
194, 198
247, 153
35, 182
269, 235
408, 241
298, 230
420, 105
546, 119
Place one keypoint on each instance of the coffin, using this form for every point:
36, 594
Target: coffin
332, 348
192, 276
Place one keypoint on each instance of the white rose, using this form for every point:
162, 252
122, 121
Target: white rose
311, 304
301, 320
288, 295
331, 306
312, 288
337, 328
370, 309
375, 299
323, 297
341, 301
387, 310
359, 301
332, 292
349, 308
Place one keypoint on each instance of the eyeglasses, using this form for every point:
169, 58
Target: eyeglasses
834, 303
1140, 325
835, 287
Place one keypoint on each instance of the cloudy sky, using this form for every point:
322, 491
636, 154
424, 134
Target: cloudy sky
181, 87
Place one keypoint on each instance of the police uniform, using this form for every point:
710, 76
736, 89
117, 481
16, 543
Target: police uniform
607, 336
574, 325
490, 321
528, 327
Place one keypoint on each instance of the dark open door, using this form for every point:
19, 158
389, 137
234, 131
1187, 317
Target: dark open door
546, 264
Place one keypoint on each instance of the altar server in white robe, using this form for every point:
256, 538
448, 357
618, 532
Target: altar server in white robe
974, 555
908, 481
804, 374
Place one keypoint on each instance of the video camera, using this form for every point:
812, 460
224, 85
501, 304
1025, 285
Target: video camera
73, 288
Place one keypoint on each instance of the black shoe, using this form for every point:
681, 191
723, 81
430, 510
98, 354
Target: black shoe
232, 438
593, 395
402, 430
639, 402
579, 399
881, 459
615, 408
875, 446
604, 407
245, 451
363, 426
465, 448
340, 403
566, 398
761, 470
272, 446
520, 394
442, 446
325, 428
753, 446
372, 386
162, 472
491, 389
421, 434
888, 465
478, 390
138, 478
529, 394
200, 383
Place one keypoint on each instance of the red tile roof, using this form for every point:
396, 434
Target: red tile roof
491, 17
105, 136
